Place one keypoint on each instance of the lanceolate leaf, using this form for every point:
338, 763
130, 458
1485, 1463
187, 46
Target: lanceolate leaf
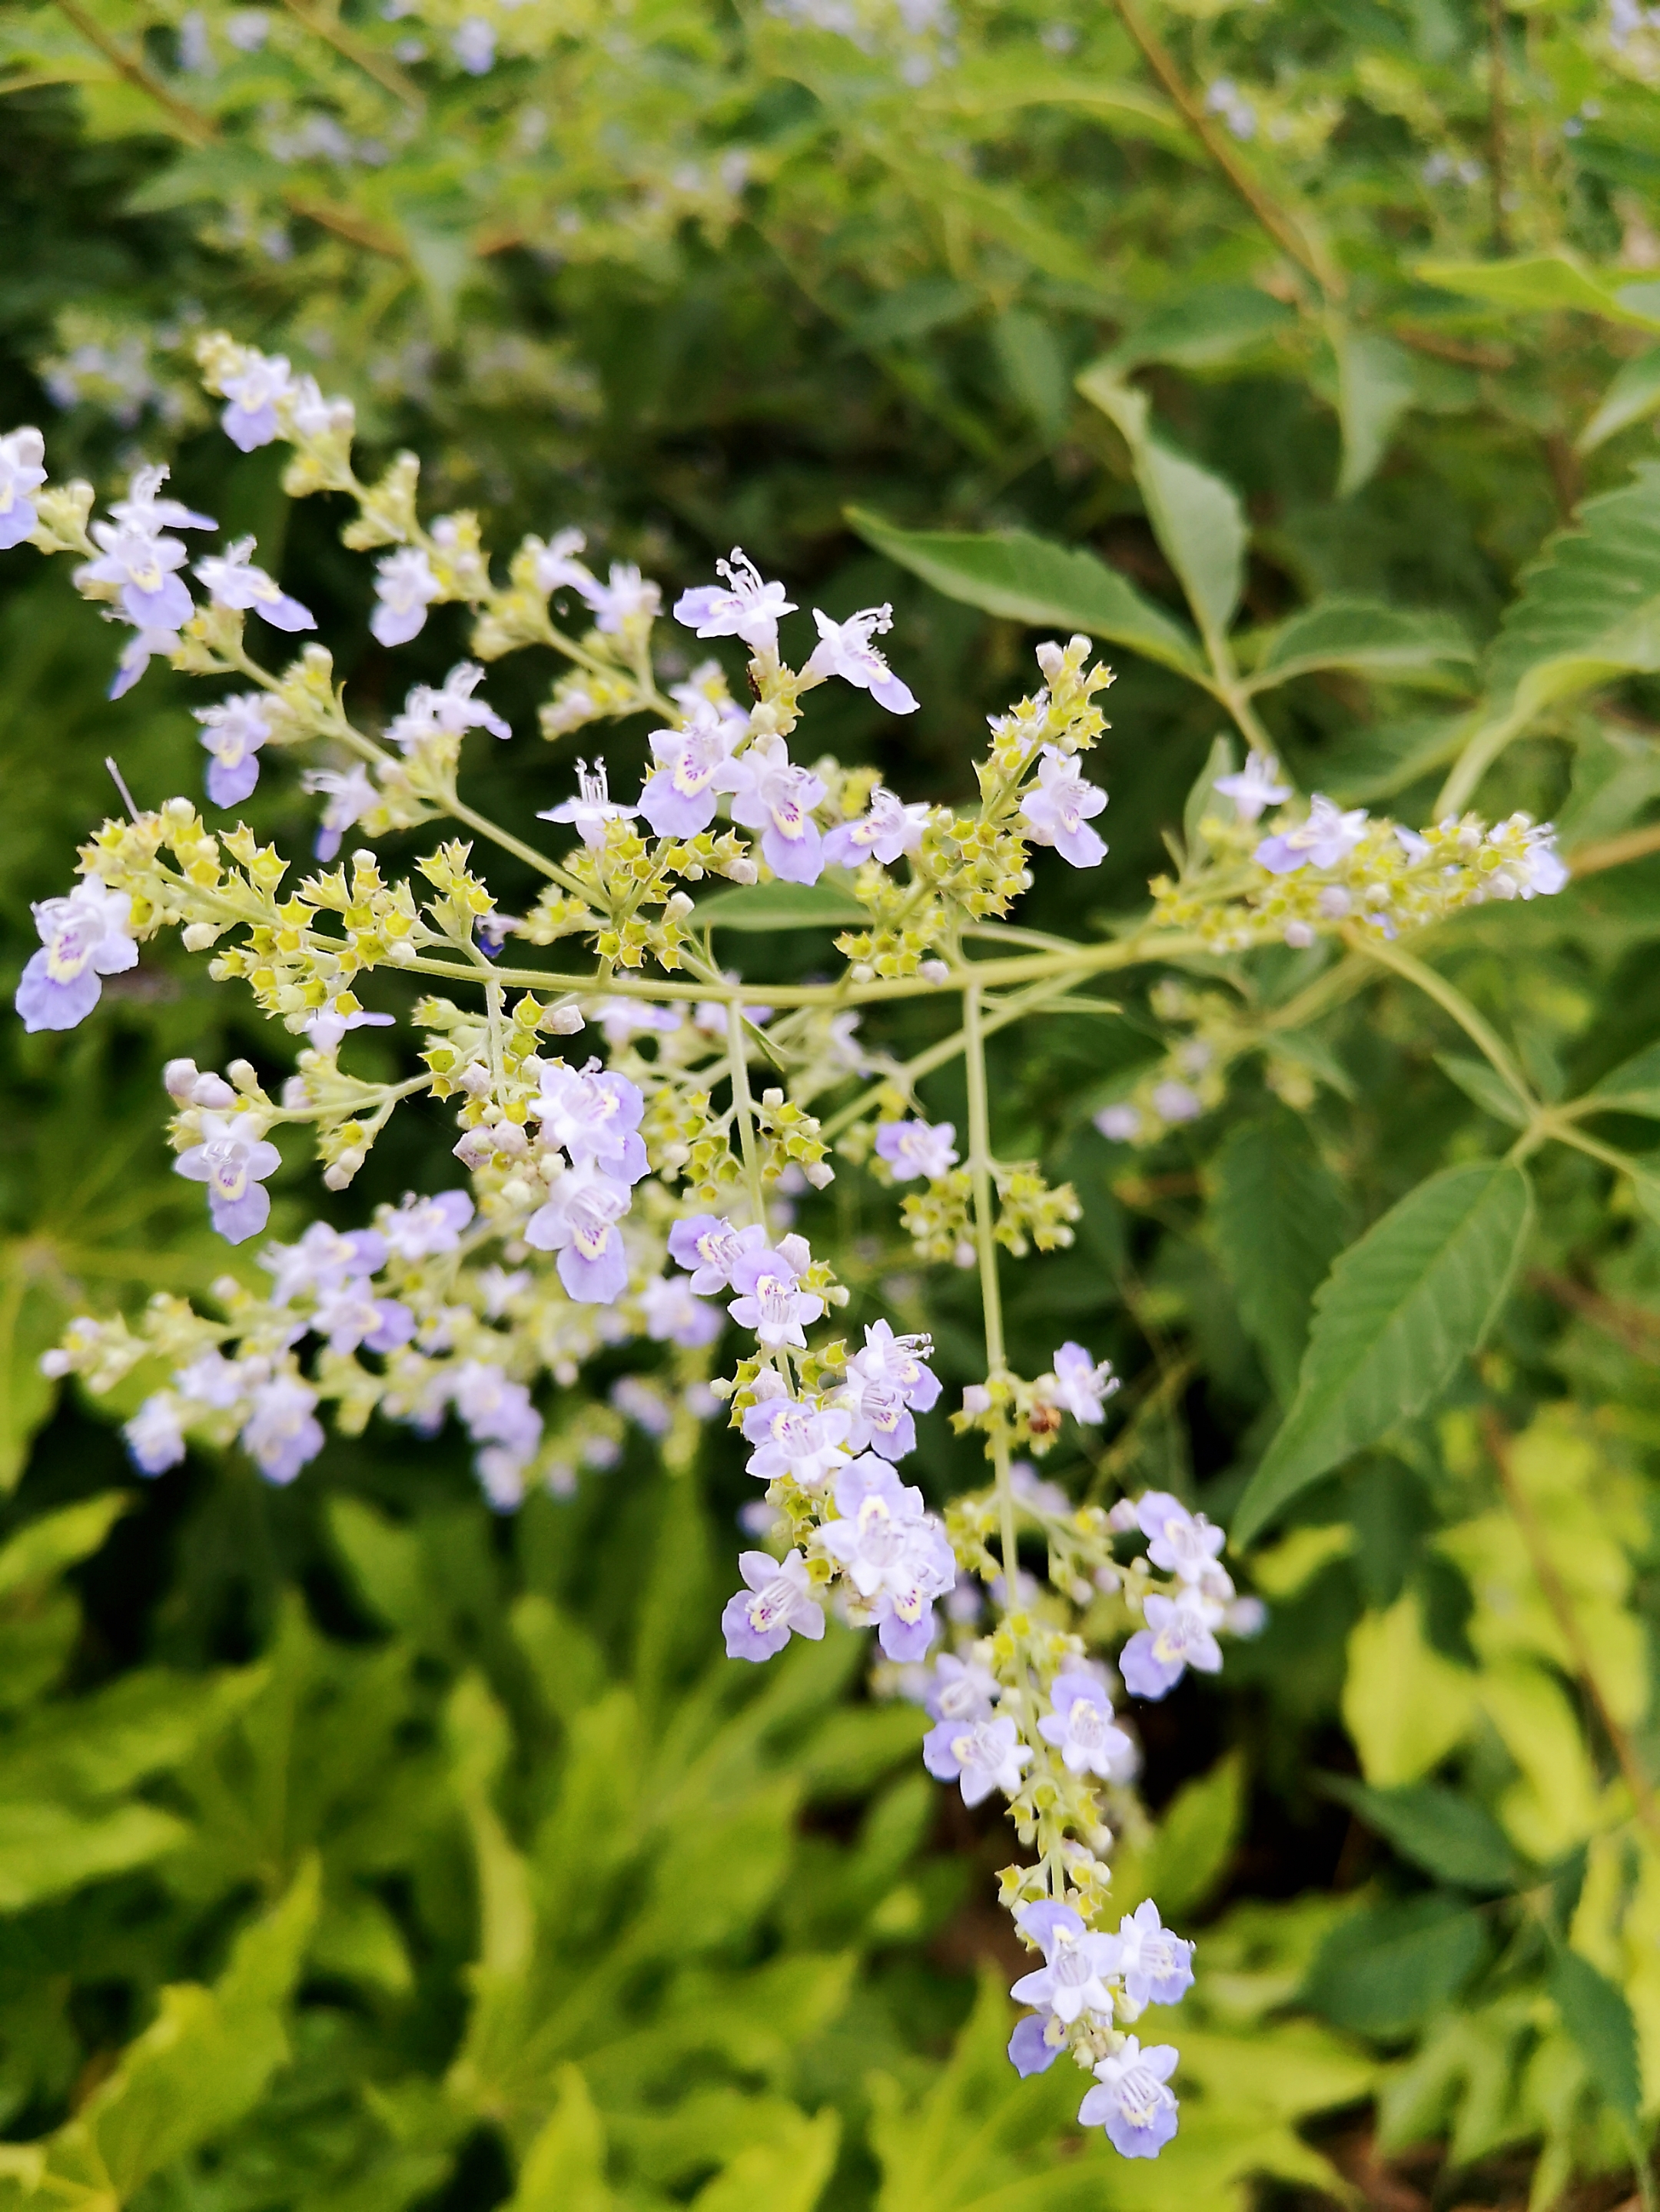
1598, 2017
1278, 1216
1397, 1313
1401, 642
1027, 580
782, 906
1632, 396
1447, 1835
1196, 518
1633, 1087
1375, 387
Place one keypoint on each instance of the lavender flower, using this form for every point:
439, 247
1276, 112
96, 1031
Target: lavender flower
280, 1434
1326, 838
350, 796
916, 1148
679, 795
21, 453
139, 567
957, 1695
1154, 1966
233, 1159
807, 1442
1080, 1727
593, 1117
233, 731
886, 832
1180, 1633
1030, 2051
592, 807
777, 1601
447, 713
985, 1756
674, 1315
84, 937
709, 1245
895, 1555
233, 582
770, 1299
324, 1257
405, 587
579, 1222
844, 649
748, 608
473, 45
884, 1381
771, 793
1058, 807
421, 1228
1079, 1383
1182, 1543
254, 394
1069, 1983
628, 597
1254, 786
1131, 2101
154, 1439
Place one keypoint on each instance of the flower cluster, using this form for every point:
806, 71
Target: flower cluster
653, 1186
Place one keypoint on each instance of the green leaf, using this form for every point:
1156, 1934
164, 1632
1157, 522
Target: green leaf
40, 1552
1029, 580
1220, 761
1034, 371
1398, 1312
1479, 1080
1278, 1221
1447, 1835
1540, 283
770, 907
1633, 1087
564, 2168
1196, 518
1385, 1969
48, 1849
996, 84
1394, 642
1589, 607
1597, 2016
1632, 396
1196, 1840
1203, 327
1375, 387
1404, 1705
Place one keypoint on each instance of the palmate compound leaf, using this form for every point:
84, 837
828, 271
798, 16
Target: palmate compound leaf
1029, 580
1398, 1312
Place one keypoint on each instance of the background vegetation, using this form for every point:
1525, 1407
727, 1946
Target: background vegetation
300, 1899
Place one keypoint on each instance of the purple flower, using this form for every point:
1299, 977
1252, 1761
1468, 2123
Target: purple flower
421, 1228
1120, 1124
984, 1756
1255, 786
628, 597
594, 1116
1079, 1383
405, 587
895, 1555
1154, 1966
22, 452
233, 581
1057, 808
844, 649
350, 796
1030, 2051
233, 1159
140, 568
771, 793
144, 509
473, 45
214, 1381
233, 731
674, 1315
916, 1148
579, 1222
1176, 1102
554, 565
329, 1025
136, 657
807, 1442
449, 713
322, 1258
748, 608
884, 1381
155, 1439
1131, 2101
1179, 1634
1182, 1543
770, 1299
1080, 1727
777, 1599
1069, 1981
494, 1409
84, 937
591, 808
1326, 838
889, 829
957, 1695
349, 1314
280, 1434
679, 795
251, 418
709, 1245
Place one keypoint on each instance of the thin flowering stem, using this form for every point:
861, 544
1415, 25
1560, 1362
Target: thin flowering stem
505, 838
991, 1294
743, 1110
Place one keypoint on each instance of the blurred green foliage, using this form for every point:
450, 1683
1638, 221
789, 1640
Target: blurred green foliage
298, 1903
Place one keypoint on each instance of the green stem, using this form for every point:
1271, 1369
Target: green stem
1451, 1000
743, 1107
991, 1296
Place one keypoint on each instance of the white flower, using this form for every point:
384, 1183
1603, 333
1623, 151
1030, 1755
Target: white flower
592, 807
749, 609
1254, 786
844, 649
405, 587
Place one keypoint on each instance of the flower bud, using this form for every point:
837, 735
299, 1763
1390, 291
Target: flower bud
976, 1399
178, 1078
563, 1021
